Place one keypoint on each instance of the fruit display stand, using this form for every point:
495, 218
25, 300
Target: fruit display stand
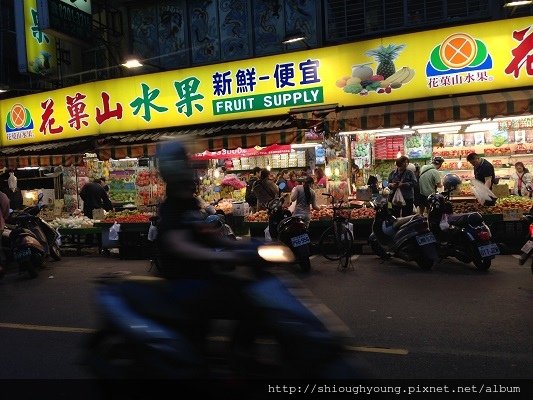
74, 231
361, 218
133, 243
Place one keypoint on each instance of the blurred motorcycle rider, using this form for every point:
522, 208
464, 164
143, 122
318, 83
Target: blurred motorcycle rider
188, 244
189, 258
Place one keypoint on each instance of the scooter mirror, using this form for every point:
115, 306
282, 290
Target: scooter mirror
282, 185
385, 184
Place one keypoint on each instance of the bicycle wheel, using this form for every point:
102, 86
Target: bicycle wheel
334, 246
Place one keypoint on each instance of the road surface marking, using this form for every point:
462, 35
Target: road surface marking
223, 339
385, 350
31, 327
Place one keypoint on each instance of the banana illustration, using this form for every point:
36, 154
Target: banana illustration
404, 75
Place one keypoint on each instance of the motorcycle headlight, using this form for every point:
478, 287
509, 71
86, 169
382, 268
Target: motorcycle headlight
275, 253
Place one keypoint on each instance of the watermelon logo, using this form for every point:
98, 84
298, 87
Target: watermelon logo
458, 53
19, 124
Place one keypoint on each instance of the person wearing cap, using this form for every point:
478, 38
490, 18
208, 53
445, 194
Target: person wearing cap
429, 181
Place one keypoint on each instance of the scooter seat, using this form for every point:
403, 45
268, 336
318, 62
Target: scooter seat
399, 222
462, 220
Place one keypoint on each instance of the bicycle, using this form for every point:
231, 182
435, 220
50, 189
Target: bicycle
336, 242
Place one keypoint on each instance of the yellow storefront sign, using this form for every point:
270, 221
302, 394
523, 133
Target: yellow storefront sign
41, 53
472, 58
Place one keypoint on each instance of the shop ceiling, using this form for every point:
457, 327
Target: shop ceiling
431, 111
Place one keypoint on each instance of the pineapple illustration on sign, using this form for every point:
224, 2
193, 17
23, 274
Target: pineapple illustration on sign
385, 56
363, 79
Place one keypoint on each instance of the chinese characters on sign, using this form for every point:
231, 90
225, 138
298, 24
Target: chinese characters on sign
522, 54
189, 97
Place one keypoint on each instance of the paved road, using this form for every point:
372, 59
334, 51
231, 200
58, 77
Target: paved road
453, 322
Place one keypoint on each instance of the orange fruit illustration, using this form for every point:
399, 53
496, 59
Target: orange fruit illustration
458, 50
18, 115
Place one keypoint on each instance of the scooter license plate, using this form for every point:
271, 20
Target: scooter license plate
489, 250
300, 240
527, 247
428, 238
22, 254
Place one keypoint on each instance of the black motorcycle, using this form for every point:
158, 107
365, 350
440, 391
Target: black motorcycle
291, 230
407, 238
25, 249
465, 237
45, 233
149, 330
31, 240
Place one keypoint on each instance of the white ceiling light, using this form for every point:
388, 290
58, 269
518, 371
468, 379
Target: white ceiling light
490, 126
445, 124
517, 3
401, 132
511, 118
371, 131
133, 63
442, 129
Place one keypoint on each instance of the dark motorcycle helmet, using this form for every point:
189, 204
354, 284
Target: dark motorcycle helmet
175, 169
436, 201
451, 181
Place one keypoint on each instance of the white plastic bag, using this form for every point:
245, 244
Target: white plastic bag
152, 233
444, 225
483, 194
268, 238
397, 199
113, 231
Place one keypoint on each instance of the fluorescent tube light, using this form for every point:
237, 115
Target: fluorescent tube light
401, 132
384, 130
518, 3
442, 129
490, 126
446, 124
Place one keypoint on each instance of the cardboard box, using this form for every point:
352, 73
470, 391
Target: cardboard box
501, 190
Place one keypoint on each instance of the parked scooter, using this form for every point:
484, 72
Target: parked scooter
407, 238
31, 239
25, 248
45, 233
146, 330
290, 230
465, 237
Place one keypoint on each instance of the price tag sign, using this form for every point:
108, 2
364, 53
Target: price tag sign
512, 215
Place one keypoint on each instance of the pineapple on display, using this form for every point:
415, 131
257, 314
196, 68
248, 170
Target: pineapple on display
385, 56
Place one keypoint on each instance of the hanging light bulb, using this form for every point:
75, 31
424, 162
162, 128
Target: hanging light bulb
327, 171
216, 174
399, 154
337, 172
460, 163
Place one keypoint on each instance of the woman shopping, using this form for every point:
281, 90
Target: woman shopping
305, 198
522, 179
402, 179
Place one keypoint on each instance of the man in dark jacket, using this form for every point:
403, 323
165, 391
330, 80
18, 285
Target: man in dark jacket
94, 196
